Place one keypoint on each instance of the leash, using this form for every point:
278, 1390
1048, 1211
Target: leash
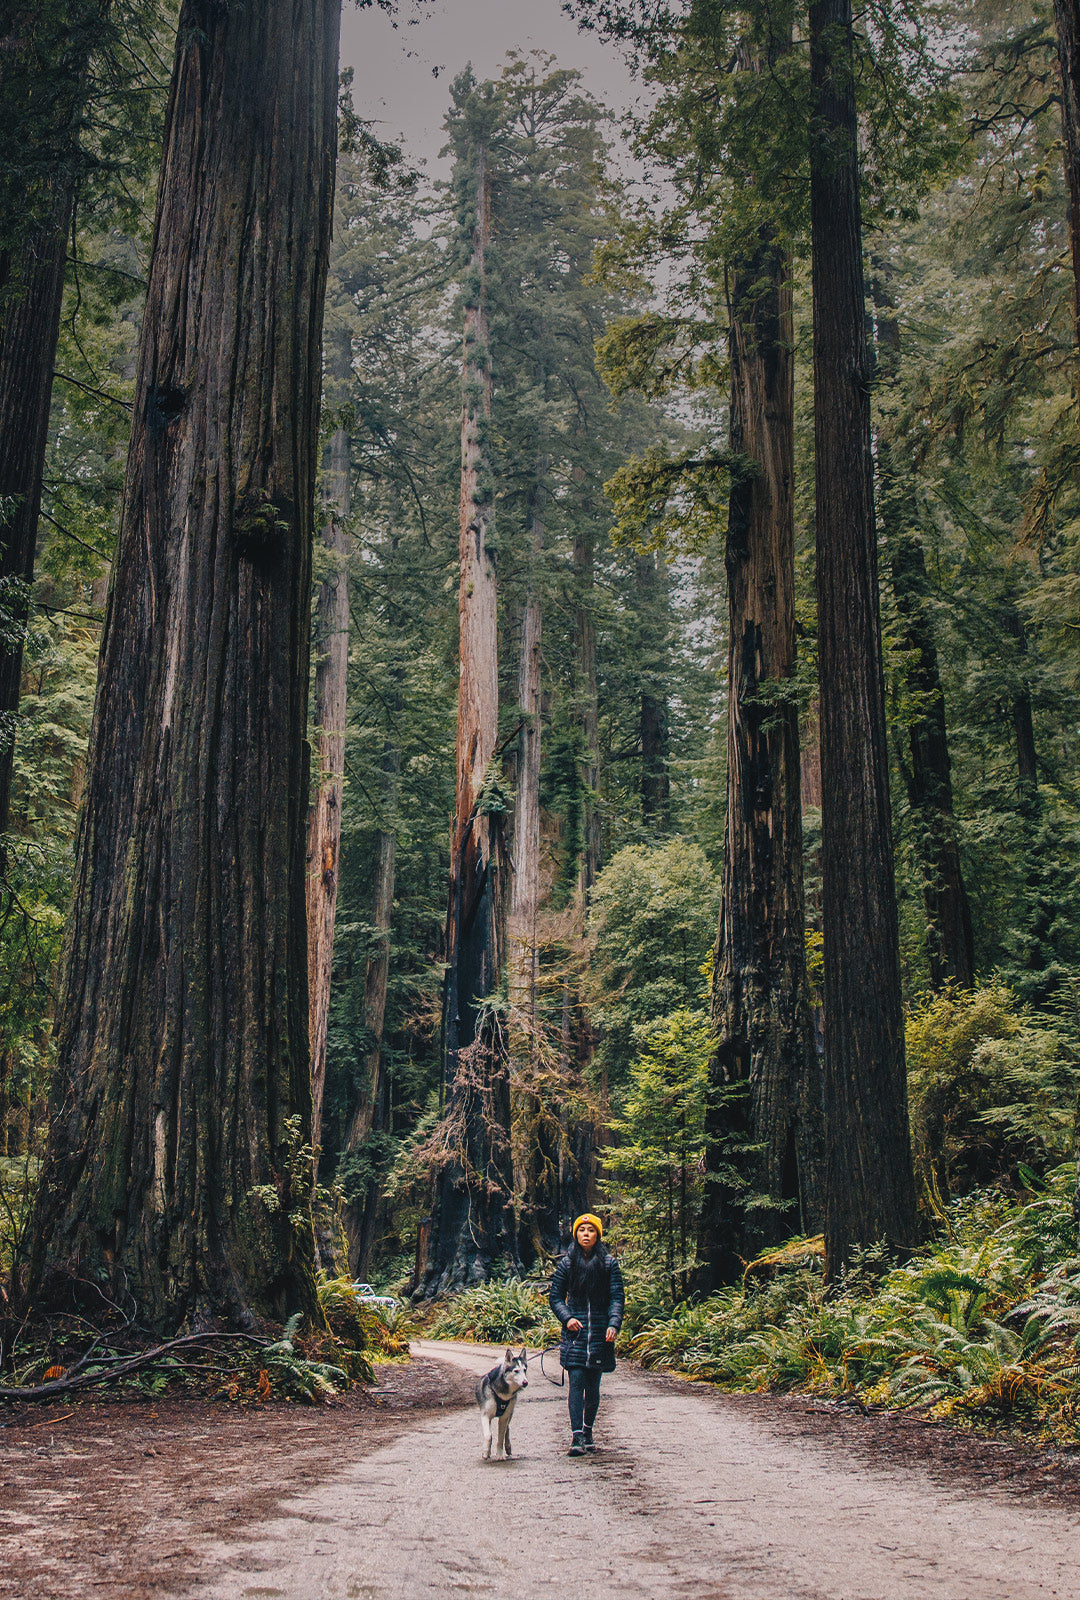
558, 1382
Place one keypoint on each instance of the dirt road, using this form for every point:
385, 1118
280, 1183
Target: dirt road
691, 1495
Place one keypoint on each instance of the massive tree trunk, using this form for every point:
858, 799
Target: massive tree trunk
181, 1102
765, 1089
1067, 17
473, 1226
927, 768
869, 1184
653, 711
324, 817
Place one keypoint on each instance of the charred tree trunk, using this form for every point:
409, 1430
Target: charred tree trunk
765, 1089
1067, 18
473, 1221
869, 1184
324, 816
927, 768
182, 1098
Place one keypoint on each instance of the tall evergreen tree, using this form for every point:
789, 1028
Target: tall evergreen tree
869, 1188
181, 1103
473, 1223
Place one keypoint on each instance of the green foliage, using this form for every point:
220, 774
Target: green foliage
984, 1326
294, 1375
513, 1310
992, 1087
654, 1166
652, 927
18, 1180
381, 1332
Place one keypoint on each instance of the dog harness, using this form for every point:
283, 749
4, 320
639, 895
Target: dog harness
500, 1404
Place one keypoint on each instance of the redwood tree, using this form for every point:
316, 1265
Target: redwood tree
869, 1185
473, 1219
765, 1074
175, 1169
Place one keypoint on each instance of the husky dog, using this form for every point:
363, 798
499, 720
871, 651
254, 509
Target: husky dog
496, 1395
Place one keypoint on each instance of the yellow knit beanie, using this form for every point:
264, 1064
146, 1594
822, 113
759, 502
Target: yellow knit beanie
587, 1216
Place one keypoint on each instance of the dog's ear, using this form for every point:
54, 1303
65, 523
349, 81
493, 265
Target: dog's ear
508, 1356
524, 1356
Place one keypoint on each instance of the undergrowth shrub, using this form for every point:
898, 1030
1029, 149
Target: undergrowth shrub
514, 1310
380, 1331
983, 1326
992, 1088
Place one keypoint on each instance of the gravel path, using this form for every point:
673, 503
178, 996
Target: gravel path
690, 1495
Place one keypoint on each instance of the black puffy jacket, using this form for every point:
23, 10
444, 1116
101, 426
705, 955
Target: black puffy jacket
588, 1347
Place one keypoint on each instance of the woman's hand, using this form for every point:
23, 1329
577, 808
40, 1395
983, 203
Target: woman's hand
610, 1335
574, 1325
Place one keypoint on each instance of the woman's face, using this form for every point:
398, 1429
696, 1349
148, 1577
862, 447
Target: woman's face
586, 1236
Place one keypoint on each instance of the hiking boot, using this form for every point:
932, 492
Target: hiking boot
577, 1445
587, 1441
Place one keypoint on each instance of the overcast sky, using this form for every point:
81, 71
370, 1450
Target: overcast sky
395, 84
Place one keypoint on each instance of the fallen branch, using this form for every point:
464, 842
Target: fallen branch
114, 1367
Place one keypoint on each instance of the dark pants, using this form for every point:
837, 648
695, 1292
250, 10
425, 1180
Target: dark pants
584, 1396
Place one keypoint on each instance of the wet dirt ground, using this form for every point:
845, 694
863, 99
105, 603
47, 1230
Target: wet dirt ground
692, 1494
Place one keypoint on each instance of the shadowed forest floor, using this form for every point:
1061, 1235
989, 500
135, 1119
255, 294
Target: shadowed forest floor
749, 1496
119, 1497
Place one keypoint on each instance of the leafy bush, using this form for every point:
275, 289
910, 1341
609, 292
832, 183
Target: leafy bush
379, 1331
656, 1160
992, 1087
652, 926
513, 1311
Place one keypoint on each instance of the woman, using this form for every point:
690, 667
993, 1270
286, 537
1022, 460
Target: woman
587, 1297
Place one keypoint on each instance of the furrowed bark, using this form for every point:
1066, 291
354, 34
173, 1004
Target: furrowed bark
869, 1184
324, 816
473, 1223
950, 945
175, 1171
765, 1077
